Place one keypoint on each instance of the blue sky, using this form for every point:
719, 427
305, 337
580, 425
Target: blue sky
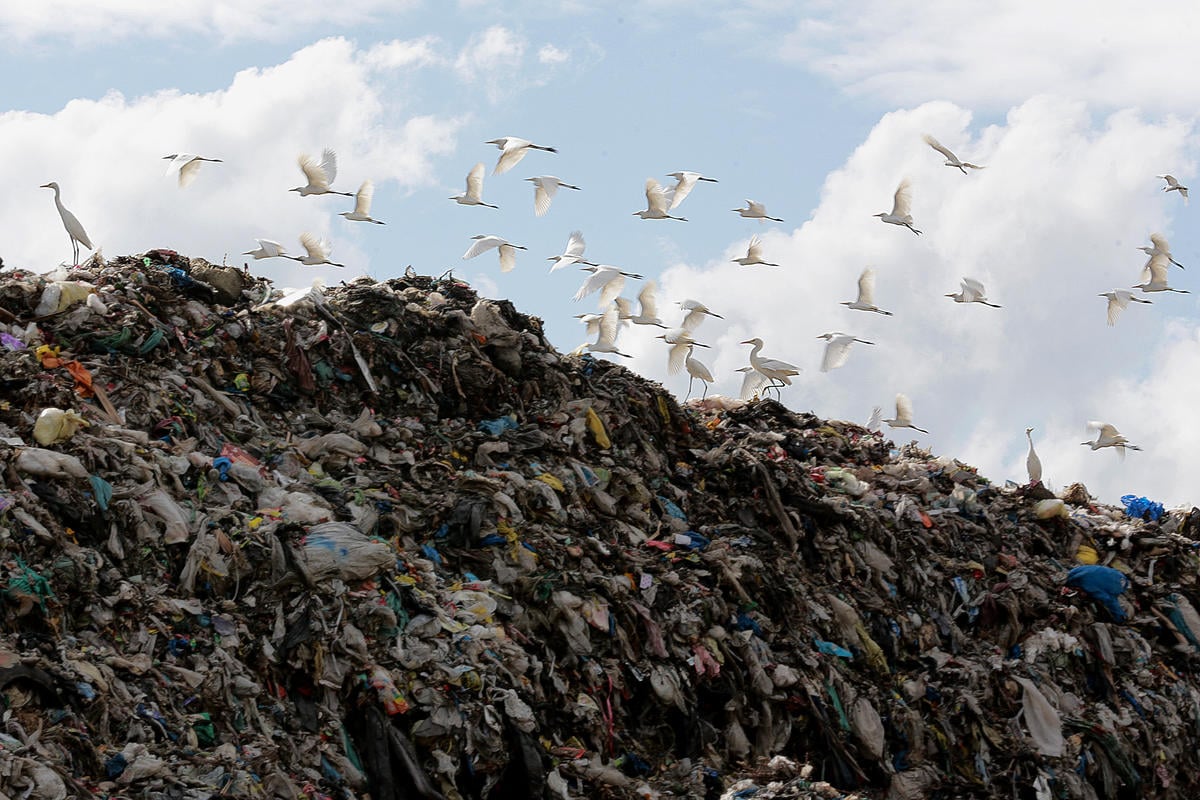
815, 109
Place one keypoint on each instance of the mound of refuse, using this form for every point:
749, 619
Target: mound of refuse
383, 540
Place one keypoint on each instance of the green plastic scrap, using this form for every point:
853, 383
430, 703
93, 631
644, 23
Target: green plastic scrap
29, 582
152, 341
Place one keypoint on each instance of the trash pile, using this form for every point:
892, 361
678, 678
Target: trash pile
382, 540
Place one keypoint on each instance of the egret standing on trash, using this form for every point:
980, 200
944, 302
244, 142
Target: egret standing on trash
74, 229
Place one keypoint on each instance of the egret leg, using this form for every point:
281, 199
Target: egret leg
705, 394
75, 251
689, 394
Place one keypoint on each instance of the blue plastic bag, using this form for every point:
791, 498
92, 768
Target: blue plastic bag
1104, 584
1142, 508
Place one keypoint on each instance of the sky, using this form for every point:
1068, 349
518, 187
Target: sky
816, 109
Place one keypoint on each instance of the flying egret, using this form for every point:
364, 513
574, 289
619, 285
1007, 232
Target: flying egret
875, 421
513, 150
1118, 300
696, 312
1174, 186
837, 349
316, 251
681, 342
753, 255
607, 280
362, 205
1033, 464
696, 369
866, 294
648, 307
573, 254
657, 203
753, 382
684, 183
592, 322
473, 196
267, 249
485, 242
904, 413
778, 373
1109, 436
972, 292
74, 229
606, 339
756, 211
546, 185
1161, 247
951, 159
1154, 276
319, 175
187, 165
901, 213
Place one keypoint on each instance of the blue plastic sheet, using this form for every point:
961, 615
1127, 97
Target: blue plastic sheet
831, 649
499, 425
1142, 508
1103, 584
102, 490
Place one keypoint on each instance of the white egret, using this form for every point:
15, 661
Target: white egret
756, 211
187, 165
753, 255
1154, 276
606, 340
657, 203
778, 373
573, 254
473, 196
837, 349
875, 421
607, 280
696, 369
1174, 186
684, 183
971, 292
546, 187
316, 251
681, 342
696, 312
362, 205
1118, 300
591, 321
485, 242
513, 150
1108, 436
648, 307
267, 249
951, 159
866, 294
319, 175
901, 213
904, 414
1033, 464
1161, 247
74, 229
753, 382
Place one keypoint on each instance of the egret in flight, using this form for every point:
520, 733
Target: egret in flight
681, 342
573, 254
756, 211
1118, 300
1161, 248
513, 150
485, 242
362, 205
778, 373
837, 349
267, 249
904, 415
753, 382
648, 307
753, 255
901, 213
696, 369
1154, 276
473, 196
972, 292
875, 421
696, 312
1033, 464
187, 165
951, 159
1108, 436
657, 203
316, 251
1174, 186
546, 187
74, 229
607, 280
606, 338
684, 183
319, 175
866, 294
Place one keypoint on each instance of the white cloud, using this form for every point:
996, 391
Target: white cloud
549, 54
492, 55
398, 54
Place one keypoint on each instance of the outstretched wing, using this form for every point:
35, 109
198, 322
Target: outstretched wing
362, 200
475, 182
941, 148
866, 287
902, 200
483, 245
904, 409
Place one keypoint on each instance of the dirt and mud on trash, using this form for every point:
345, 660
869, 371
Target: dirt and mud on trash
381, 539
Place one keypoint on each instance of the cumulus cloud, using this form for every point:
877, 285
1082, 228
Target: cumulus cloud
549, 54
491, 55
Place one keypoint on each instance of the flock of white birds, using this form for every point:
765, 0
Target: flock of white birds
608, 282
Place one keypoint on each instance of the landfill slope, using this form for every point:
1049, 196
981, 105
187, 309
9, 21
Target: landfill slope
382, 540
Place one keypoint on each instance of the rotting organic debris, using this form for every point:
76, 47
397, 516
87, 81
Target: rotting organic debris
381, 538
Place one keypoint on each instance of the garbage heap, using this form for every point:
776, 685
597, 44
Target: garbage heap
381, 539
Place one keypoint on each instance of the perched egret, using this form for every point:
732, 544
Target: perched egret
267, 249
753, 382
837, 349
971, 292
1033, 464
606, 339
684, 183
1118, 300
866, 294
573, 254
778, 373
508, 251
696, 369
696, 312
1174, 186
473, 196
362, 205
319, 175
513, 150
546, 185
74, 229
1161, 248
1109, 436
875, 421
1154, 276
951, 159
609, 281
756, 211
187, 165
681, 342
904, 413
316, 251
753, 255
657, 203
648, 307
901, 213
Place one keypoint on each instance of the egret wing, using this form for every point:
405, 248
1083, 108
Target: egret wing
902, 200
362, 200
483, 245
475, 182
941, 148
508, 257
683, 187
904, 409
866, 287
510, 155
312, 170
837, 351
329, 165
542, 196
677, 357
648, 301
656, 197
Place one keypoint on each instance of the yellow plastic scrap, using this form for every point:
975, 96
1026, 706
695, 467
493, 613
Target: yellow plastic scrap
596, 426
1086, 554
874, 652
663, 411
551, 481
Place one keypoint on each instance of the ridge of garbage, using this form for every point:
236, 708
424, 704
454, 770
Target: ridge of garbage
382, 539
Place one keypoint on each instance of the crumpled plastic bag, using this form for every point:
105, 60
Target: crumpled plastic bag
56, 425
49, 464
1103, 584
868, 726
1142, 508
60, 295
337, 549
1043, 722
